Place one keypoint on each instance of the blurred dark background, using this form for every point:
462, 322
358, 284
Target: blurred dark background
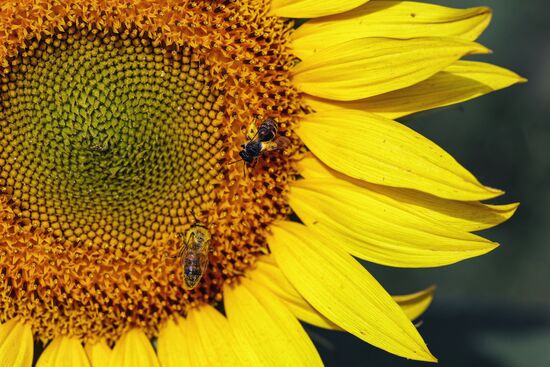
493, 310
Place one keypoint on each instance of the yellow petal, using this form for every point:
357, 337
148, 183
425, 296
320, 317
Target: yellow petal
270, 276
99, 354
133, 349
264, 326
370, 66
370, 227
311, 8
457, 83
172, 346
381, 151
63, 352
210, 339
392, 19
463, 215
16, 344
415, 304
344, 292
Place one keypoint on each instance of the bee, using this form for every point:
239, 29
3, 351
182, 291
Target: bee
261, 139
195, 246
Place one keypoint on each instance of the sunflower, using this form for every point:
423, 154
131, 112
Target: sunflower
122, 123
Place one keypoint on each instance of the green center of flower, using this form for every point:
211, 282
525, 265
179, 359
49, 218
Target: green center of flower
107, 138
109, 147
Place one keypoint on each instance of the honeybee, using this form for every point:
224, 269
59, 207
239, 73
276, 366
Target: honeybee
261, 139
195, 246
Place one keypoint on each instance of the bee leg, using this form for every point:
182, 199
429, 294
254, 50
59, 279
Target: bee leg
255, 161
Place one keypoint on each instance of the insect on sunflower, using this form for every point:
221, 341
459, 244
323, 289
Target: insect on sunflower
119, 121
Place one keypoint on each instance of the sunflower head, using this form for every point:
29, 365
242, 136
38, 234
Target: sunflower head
117, 126
156, 156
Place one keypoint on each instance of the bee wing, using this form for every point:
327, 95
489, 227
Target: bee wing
204, 262
282, 142
186, 244
279, 142
182, 250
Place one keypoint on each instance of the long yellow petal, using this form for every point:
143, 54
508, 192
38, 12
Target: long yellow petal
172, 345
264, 325
392, 19
211, 341
367, 67
344, 292
63, 352
16, 345
415, 304
311, 8
463, 215
270, 276
99, 354
133, 349
457, 83
368, 226
381, 151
